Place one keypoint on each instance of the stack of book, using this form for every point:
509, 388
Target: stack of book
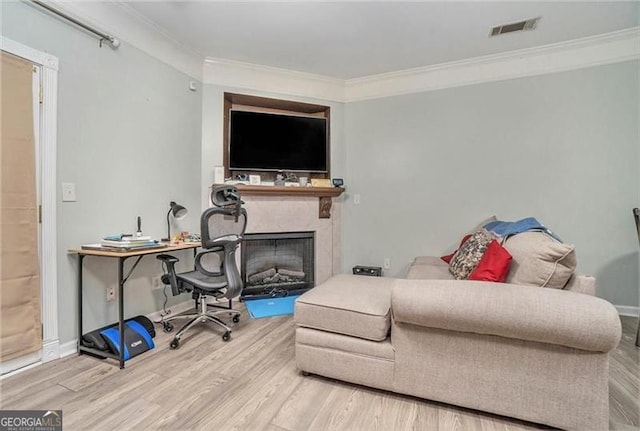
128, 241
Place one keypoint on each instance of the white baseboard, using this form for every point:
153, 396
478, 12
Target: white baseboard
50, 350
18, 365
69, 348
625, 310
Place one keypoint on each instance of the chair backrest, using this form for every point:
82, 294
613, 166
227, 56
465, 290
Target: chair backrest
636, 216
223, 229
220, 225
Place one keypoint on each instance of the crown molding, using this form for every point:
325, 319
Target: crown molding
271, 79
125, 23
590, 51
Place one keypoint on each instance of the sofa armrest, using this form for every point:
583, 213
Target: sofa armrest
581, 284
506, 310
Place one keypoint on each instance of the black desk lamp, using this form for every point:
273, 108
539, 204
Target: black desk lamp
179, 212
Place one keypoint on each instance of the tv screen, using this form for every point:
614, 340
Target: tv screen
261, 141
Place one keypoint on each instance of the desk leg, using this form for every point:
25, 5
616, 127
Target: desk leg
80, 260
121, 308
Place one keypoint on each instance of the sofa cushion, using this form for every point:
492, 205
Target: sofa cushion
540, 260
469, 254
348, 304
429, 268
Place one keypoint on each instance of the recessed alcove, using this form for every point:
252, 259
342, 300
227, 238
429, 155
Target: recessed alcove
246, 102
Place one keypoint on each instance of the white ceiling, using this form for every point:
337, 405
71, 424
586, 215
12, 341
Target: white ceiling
348, 40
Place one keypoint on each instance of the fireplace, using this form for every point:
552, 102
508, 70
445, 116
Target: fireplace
277, 264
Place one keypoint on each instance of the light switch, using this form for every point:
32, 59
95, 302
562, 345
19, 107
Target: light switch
68, 192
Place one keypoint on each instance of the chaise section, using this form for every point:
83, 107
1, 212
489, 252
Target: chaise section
532, 353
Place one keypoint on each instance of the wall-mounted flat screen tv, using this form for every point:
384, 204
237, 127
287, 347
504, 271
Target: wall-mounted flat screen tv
260, 141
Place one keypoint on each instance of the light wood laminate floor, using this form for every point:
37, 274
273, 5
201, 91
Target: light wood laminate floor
251, 383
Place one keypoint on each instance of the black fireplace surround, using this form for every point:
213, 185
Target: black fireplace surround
277, 264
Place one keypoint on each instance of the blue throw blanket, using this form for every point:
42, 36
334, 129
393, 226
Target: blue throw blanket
506, 228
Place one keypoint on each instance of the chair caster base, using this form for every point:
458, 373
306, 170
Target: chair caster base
236, 318
226, 336
167, 327
175, 343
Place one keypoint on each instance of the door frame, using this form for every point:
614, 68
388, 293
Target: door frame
47, 148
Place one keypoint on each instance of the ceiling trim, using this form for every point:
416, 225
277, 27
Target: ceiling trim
125, 23
271, 79
591, 51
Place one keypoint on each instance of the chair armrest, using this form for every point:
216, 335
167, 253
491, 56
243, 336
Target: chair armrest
167, 258
507, 310
170, 276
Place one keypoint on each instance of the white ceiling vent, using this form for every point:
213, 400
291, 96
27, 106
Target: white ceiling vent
529, 24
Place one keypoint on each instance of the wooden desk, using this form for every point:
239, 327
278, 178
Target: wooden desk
122, 256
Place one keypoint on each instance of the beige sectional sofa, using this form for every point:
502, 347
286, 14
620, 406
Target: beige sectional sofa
537, 354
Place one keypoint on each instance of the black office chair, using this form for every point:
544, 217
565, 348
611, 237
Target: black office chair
636, 216
222, 229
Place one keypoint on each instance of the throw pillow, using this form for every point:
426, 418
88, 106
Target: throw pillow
540, 260
447, 258
467, 257
494, 264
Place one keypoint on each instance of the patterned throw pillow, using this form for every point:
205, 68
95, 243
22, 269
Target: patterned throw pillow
468, 256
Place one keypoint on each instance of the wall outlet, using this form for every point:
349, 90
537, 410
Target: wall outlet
356, 199
387, 263
111, 293
156, 282
68, 192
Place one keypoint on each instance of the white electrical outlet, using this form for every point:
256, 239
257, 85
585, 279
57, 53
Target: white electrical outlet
156, 282
356, 199
387, 263
68, 192
111, 293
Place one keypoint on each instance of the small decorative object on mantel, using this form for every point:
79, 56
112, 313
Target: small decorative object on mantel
337, 182
254, 180
320, 182
279, 180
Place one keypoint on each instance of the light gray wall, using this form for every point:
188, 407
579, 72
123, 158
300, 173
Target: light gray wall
129, 137
212, 127
562, 148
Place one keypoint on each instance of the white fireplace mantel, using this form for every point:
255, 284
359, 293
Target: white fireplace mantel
295, 213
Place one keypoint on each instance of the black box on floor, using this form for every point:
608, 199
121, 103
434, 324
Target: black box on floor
373, 271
